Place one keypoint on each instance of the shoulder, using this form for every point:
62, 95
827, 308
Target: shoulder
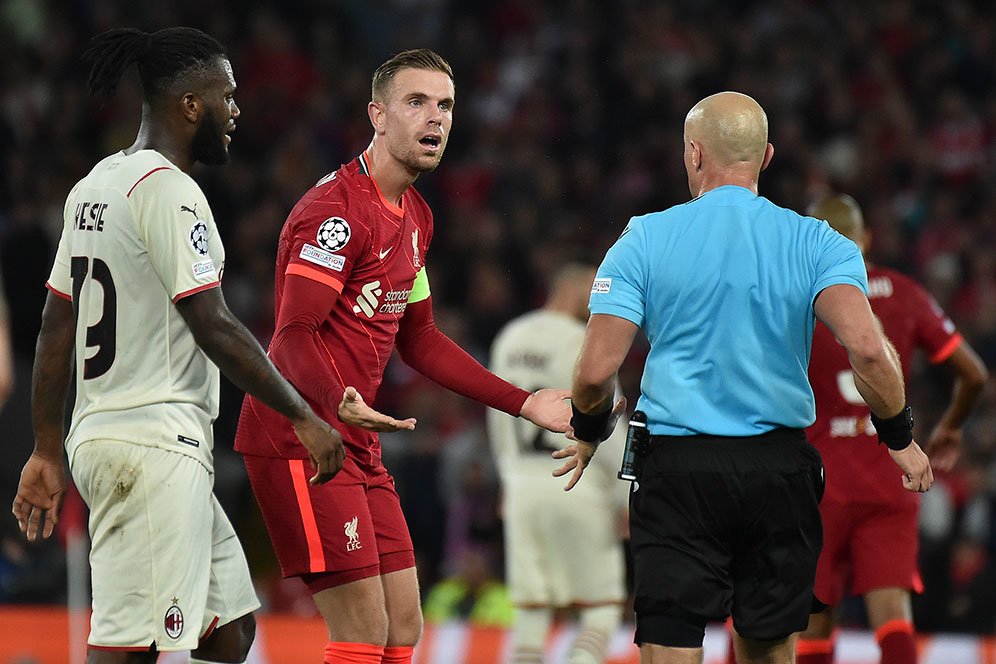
901, 283
333, 206
418, 207
147, 175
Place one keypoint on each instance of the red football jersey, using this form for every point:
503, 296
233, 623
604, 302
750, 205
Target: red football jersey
344, 234
858, 469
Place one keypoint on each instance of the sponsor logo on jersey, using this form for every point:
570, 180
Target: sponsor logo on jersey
313, 254
416, 259
370, 302
173, 620
849, 427
601, 286
350, 529
334, 234
204, 269
199, 237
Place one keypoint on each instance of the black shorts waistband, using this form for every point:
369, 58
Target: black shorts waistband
775, 436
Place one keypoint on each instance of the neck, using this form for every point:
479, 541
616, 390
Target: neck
733, 177
154, 135
563, 305
392, 177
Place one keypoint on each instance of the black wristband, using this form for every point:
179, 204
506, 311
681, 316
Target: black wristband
592, 429
895, 432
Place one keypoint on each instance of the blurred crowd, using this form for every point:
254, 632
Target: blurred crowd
567, 122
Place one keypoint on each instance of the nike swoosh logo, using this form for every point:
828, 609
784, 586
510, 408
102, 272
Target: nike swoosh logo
384, 252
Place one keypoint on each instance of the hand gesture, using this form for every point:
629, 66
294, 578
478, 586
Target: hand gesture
355, 412
39, 496
944, 447
324, 445
917, 475
578, 457
548, 408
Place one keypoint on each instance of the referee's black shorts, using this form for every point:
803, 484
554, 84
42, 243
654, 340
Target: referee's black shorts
725, 526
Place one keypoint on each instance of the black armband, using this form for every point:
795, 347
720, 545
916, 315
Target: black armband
592, 429
895, 432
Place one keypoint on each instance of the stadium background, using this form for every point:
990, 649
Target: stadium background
567, 121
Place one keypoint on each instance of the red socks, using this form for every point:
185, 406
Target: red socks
897, 642
398, 655
353, 653
814, 651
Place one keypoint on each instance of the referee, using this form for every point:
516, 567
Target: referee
724, 514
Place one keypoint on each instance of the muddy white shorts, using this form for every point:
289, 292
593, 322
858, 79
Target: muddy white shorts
166, 565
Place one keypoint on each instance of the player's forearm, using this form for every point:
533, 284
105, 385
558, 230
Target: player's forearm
50, 376
971, 375
295, 350
878, 377
426, 349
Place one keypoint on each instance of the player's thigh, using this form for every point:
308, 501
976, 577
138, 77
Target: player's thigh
150, 528
230, 589
834, 567
324, 533
585, 553
529, 569
394, 542
884, 549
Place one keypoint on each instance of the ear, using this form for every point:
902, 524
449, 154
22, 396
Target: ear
695, 152
769, 152
192, 107
378, 116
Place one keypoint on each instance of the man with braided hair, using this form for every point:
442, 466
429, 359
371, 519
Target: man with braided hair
135, 299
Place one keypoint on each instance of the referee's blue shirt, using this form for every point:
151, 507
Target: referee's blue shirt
724, 287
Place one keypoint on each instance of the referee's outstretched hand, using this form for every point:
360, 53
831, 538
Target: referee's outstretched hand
353, 410
578, 457
917, 474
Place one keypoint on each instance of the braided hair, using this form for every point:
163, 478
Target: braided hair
163, 58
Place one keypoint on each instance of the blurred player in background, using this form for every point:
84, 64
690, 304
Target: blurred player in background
135, 299
351, 284
870, 534
560, 550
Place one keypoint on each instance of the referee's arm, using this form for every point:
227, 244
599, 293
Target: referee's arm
606, 343
878, 374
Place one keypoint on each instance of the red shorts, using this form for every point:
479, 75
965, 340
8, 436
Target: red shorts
348, 529
871, 546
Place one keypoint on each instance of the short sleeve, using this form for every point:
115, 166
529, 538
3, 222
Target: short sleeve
60, 280
838, 261
935, 332
326, 243
175, 222
619, 288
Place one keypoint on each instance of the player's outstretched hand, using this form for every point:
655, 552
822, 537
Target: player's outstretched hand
944, 447
578, 457
548, 408
917, 475
324, 445
39, 496
353, 410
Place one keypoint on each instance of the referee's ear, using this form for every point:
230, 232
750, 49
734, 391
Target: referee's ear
769, 152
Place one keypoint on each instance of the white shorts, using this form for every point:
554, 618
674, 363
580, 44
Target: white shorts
561, 549
166, 565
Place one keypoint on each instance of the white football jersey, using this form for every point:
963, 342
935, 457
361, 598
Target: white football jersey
536, 350
138, 236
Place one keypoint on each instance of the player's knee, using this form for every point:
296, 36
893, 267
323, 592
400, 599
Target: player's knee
405, 626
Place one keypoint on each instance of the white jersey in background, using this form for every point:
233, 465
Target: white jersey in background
138, 236
542, 521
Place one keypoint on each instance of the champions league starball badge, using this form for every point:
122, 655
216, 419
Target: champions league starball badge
199, 238
333, 234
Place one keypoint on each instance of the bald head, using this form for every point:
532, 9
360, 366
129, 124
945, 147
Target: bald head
732, 128
843, 214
